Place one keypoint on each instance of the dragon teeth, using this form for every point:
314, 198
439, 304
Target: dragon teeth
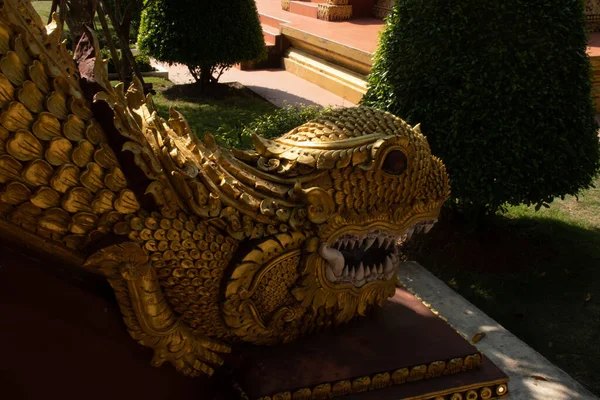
388, 265
360, 274
370, 242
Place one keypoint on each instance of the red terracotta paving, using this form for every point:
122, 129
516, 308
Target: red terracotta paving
593, 48
359, 33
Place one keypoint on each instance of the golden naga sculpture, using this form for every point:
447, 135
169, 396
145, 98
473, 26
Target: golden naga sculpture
204, 246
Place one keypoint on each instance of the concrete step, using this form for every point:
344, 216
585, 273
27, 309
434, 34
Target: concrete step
338, 80
304, 8
270, 34
272, 21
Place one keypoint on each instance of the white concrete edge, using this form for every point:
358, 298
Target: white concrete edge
521, 363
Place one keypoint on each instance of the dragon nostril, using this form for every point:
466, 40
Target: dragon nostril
395, 162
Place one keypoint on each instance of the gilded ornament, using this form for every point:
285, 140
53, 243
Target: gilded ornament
65, 177
39, 77
321, 392
12, 67
9, 168
77, 199
92, 177
302, 394
380, 381
94, 133
74, 128
31, 97
24, 146
341, 388
417, 373
57, 105
7, 91
283, 396
486, 393
400, 376
19, 48
55, 220
260, 246
47, 127
361, 384
471, 395
83, 153
59, 151
16, 117
45, 197
15, 193
78, 107
5, 36
436, 369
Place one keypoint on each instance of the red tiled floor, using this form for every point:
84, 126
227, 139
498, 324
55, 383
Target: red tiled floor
359, 33
593, 48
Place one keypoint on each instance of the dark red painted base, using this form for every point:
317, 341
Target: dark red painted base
403, 334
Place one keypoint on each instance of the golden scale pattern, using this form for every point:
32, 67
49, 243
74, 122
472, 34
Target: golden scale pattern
275, 286
58, 177
190, 257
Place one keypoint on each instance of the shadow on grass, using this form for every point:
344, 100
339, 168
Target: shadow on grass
538, 277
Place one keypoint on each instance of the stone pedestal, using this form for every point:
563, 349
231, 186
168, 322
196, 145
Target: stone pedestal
402, 351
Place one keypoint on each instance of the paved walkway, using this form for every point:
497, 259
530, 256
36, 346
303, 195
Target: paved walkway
532, 376
276, 85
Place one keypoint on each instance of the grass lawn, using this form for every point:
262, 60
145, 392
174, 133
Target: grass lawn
536, 273
42, 8
223, 118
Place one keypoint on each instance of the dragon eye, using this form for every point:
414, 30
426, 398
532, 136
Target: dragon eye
395, 162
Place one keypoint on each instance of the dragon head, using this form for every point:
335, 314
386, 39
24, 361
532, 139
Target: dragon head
367, 181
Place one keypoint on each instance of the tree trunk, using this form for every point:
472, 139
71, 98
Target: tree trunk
81, 13
123, 31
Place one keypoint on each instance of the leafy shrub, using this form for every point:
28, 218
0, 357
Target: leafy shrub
143, 62
502, 89
207, 36
273, 125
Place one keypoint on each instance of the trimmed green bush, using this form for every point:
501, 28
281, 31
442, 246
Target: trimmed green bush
271, 125
207, 36
502, 90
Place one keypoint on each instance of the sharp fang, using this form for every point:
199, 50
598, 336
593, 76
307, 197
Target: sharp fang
330, 275
345, 271
367, 271
411, 230
428, 228
388, 265
360, 274
352, 272
370, 242
389, 242
361, 240
380, 240
380, 270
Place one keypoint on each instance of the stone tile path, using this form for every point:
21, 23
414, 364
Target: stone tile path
275, 85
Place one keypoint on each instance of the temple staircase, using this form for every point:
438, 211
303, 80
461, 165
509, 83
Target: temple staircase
328, 10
